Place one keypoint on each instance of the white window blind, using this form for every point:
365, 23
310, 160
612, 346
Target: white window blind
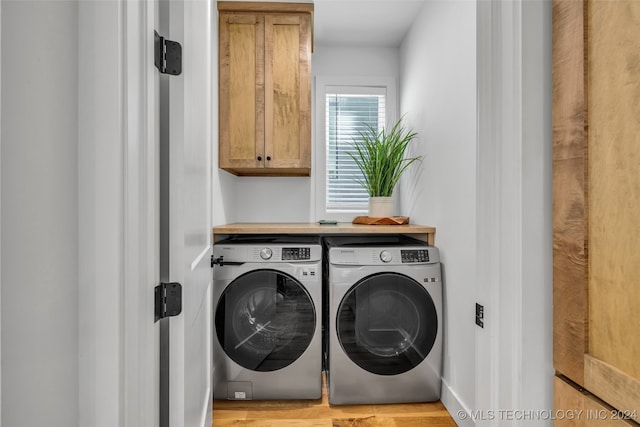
349, 111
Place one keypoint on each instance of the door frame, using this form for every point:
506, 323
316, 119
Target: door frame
118, 174
514, 237
0, 212
118, 209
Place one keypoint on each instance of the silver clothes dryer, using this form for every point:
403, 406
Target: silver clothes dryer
267, 325
385, 320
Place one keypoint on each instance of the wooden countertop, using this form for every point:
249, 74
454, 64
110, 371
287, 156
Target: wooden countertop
420, 232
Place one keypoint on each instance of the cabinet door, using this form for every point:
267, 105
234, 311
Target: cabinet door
241, 91
577, 408
597, 198
288, 92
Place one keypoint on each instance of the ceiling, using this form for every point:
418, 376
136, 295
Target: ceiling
380, 23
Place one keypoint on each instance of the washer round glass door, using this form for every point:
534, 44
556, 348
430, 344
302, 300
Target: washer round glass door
265, 320
387, 323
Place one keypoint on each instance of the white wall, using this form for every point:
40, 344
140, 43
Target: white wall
39, 213
356, 61
292, 199
486, 186
223, 186
223, 183
438, 97
273, 199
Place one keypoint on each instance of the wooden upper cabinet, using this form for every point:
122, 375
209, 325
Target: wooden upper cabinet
265, 88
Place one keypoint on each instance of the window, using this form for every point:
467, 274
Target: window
344, 111
348, 114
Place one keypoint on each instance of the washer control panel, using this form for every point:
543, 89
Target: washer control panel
414, 255
296, 254
261, 253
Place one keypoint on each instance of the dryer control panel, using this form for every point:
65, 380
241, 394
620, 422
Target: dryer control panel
383, 255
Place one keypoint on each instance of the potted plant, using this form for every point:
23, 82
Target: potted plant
381, 158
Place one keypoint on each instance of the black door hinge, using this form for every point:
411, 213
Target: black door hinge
168, 300
168, 55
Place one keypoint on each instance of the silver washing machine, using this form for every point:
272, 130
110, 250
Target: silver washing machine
385, 320
268, 299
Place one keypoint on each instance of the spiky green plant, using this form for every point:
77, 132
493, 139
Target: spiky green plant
381, 158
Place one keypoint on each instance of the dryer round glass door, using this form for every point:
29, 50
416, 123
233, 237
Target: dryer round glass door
387, 323
265, 320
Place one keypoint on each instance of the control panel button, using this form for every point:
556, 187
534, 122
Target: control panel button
266, 253
385, 256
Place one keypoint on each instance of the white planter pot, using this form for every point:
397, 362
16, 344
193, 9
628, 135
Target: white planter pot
380, 207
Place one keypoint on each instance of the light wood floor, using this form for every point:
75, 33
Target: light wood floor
301, 413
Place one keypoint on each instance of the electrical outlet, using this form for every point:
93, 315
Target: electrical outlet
480, 315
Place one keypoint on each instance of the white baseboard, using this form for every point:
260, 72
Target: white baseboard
455, 407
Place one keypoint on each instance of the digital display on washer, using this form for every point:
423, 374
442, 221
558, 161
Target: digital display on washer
414, 255
296, 254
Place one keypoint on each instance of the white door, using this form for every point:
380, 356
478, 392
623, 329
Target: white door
186, 398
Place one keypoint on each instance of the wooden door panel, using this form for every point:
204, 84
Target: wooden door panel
569, 175
568, 400
614, 183
613, 386
597, 415
596, 188
287, 91
576, 408
241, 91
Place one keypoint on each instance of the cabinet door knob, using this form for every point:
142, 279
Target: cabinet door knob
259, 158
268, 157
